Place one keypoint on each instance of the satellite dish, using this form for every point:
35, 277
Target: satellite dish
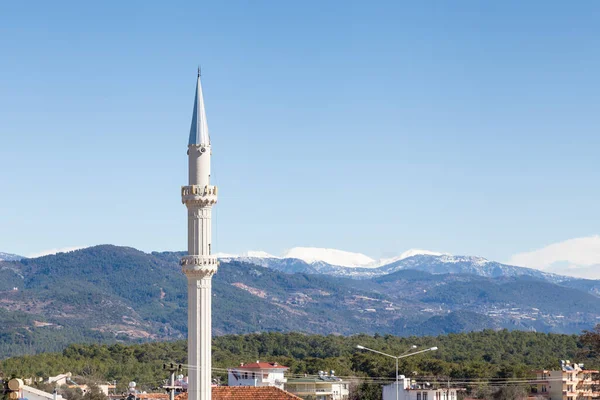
131, 384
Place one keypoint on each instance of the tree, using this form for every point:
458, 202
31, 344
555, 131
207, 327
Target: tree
510, 393
590, 341
94, 393
365, 391
483, 392
71, 393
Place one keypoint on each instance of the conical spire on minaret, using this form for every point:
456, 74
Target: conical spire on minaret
199, 129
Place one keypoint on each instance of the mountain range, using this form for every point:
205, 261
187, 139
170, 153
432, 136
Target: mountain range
356, 265
108, 293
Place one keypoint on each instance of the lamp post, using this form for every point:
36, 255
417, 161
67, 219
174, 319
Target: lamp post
397, 357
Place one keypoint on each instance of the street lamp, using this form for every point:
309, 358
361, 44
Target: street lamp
403, 355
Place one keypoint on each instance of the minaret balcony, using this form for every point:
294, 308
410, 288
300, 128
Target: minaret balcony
199, 266
206, 195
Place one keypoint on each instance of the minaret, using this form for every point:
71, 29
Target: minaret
199, 265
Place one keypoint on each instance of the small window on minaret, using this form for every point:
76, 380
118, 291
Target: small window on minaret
209, 251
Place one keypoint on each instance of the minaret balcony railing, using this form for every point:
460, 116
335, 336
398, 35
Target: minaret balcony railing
198, 260
197, 190
205, 194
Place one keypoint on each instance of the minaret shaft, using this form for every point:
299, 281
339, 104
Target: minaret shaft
199, 352
199, 265
200, 231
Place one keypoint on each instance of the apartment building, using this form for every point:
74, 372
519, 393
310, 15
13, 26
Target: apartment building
324, 387
571, 382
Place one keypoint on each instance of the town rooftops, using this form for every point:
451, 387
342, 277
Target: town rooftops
261, 365
246, 393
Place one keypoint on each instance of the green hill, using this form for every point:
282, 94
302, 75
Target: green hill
111, 294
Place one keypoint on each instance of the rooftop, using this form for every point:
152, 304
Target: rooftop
320, 379
159, 396
246, 393
261, 365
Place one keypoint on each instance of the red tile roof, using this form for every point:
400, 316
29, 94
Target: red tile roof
246, 393
261, 365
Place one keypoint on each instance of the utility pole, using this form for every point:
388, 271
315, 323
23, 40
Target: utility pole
172, 368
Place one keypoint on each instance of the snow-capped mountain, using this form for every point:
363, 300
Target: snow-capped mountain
467, 265
324, 257
10, 257
330, 256
407, 254
359, 266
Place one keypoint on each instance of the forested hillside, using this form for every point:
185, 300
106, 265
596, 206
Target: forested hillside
461, 357
109, 294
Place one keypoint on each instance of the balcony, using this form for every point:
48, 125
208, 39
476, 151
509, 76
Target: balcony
308, 392
200, 194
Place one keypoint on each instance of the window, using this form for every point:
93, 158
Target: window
424, 395
544, 389
418, 395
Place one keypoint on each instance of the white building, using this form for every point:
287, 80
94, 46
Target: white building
23, 391
324, 387
61, 379
258, 374
31, 393
408, 390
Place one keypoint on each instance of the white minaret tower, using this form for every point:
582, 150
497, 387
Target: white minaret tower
199, 265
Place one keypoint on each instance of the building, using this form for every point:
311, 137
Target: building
61, 379
571, 382
246, 393
323, 387
200, 264
258, 374
19, 390
65, 380
410, 390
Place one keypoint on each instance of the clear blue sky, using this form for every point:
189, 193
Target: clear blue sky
470, 127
